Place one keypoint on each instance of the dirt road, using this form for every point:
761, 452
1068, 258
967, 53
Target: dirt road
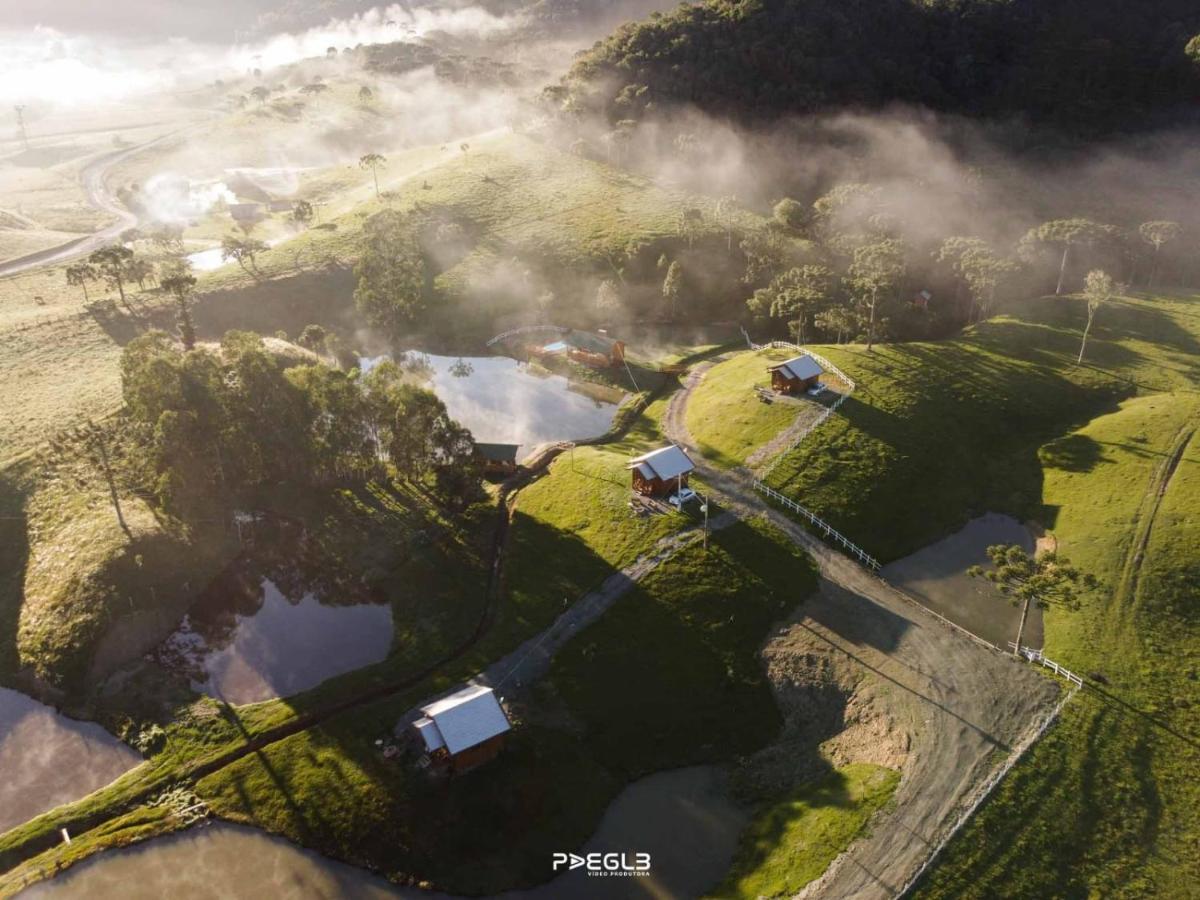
98, 195
953, 701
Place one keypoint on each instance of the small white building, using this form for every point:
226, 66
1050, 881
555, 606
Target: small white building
465, 729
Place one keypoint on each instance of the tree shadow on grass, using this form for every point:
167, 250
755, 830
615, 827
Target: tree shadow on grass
1073, 453
14, 558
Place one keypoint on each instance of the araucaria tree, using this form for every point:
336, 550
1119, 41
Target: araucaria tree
978, 267
79, 274
390, 272
244, 252
794, 296
113, 264
180, 283
1065, 233
1098, 290
875, 271
1046, 579
673, 287
372, 161
1157, 234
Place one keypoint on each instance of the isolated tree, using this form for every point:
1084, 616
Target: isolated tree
372, 161
139, 270
302, 212
365, 94
1157, 234
1046, 580
390, 272
1065, 233
260, 93
1098, 289
112, 263
608, 297
331, 52
691, 225
877, 267
180, 283
244, 251
79, 274
725, 213
98, 451
794, 296
673, 286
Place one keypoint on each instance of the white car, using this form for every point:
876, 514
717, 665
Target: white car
681, 497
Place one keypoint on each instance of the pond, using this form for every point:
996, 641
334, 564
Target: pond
684, 818
936, 575
246, 641
48, 759
503, 401
206, 260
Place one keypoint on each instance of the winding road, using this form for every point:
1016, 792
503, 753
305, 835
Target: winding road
92, 177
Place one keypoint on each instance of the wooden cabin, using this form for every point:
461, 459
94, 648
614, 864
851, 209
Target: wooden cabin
463, 730
499, 460
661, 472
796, 375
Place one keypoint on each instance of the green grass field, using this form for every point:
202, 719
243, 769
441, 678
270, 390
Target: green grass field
681, 648
727, 422
793, 841
1002, 420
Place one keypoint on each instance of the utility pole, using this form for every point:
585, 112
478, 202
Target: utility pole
20, 110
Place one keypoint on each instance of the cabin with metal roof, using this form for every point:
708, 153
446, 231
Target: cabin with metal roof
499, 460
661, 472
796, 375
463, 730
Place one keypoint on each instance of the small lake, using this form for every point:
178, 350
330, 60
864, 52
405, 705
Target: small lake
503, 401
936, 575
47, 759
206, 260
247, 642
684, 818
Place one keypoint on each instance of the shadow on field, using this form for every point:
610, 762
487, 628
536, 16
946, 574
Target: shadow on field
321, 297
14, 557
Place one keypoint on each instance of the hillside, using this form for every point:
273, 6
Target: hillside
1104, 455
1072, 63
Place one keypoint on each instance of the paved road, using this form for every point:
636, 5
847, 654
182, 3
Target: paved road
958, 700
92, 177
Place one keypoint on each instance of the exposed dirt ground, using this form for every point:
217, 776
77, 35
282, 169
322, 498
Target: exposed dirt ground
907, 690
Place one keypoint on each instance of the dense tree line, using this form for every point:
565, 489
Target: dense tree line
234, 420
1080, 64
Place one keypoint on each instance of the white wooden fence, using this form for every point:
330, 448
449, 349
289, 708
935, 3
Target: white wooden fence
1038, 657
984, 790
760, 483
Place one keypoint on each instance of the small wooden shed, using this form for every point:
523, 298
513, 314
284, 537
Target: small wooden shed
499, 460
661, 472
796, 375
463, 730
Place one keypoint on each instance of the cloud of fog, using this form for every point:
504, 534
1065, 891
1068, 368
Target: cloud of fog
176, 199
382, 24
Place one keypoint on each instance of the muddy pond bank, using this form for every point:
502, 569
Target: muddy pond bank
937, 576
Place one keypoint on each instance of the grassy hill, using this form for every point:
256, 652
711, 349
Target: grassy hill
1105, 455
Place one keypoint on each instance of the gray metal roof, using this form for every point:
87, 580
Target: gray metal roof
799, 367
466, 718
665, 462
